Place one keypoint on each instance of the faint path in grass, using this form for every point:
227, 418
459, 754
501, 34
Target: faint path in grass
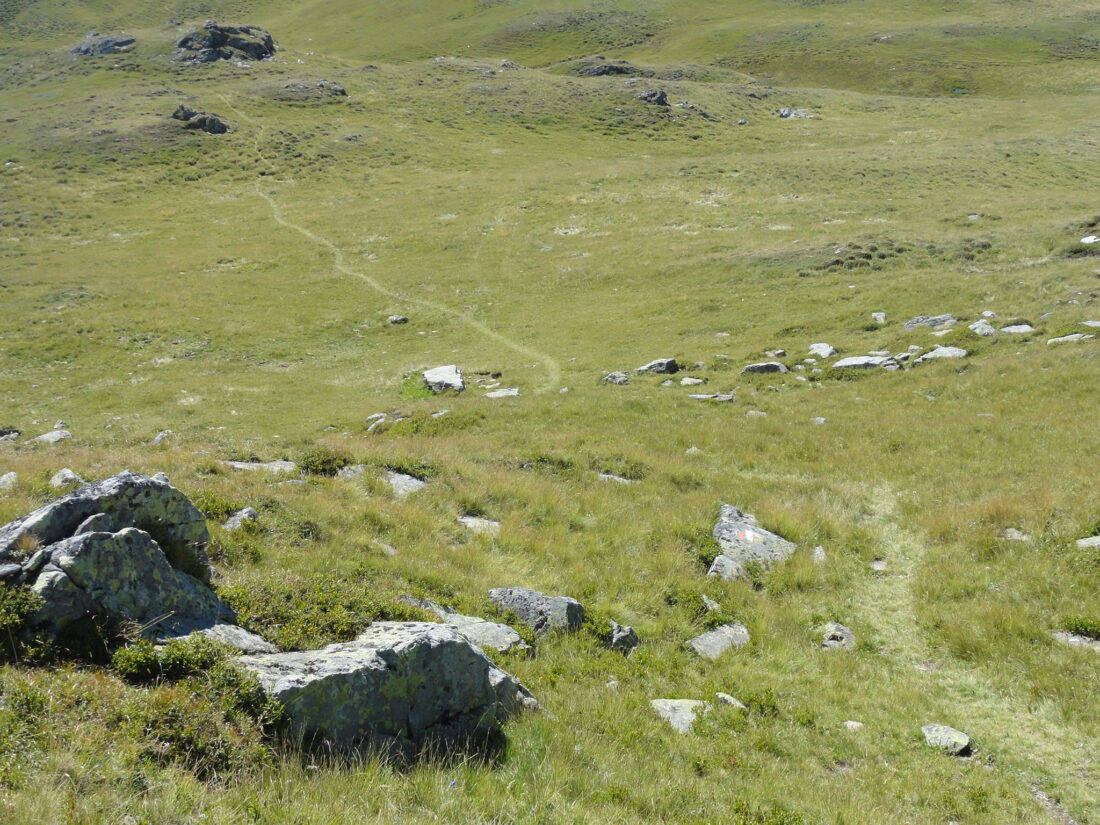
1030, 740
552, 367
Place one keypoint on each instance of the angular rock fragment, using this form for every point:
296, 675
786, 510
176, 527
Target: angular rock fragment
680, 713
538, 611
714, 643
955, 742
743, 541
441, 379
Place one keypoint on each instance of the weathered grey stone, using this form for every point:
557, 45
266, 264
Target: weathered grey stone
264, 466
99, 523
9, 435
764, 367
65, 478
407, 682
403, 484
221, 42
933, 321
614, 478
623, 639
538, 611
618, 378
397, 319
130, 499
730, 701
123, 574
1012, 534
742, 541
680, 713
955, 742
1088, 543
818, 554
861, 362
36, 562
853, 725
1072, 338
710, 605
481, 632
351, 472
878, 317
756, 414
441, 379
476, 524
8, 481
95, 44
504, 392
1076, 640
657, 97
838, 637
983, 328
203, 121
53, 437
822, 350
661, 366
8, 571
1091, 324
1018, 329
688, 381
941, 352
714, 643
719, 397
238, 638
240, 518
790, 112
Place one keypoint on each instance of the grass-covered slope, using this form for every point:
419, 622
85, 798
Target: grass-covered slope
551, 227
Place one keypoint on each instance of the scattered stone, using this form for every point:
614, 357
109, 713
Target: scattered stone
789, 112
764, 367
241, 640
983, 328
8, 481
623, 639
161, 477
403, 484
661, 366
603, 69
1090, 324
940, 333
10, 570
203, 121
218, 42
9, 435
538, 611
680, 713
818, 554
720, 397
693, 450
403, 682
743, 541
878, 317
941, 352
655, 96
880, 353
838, 637
1012, 534
819, 420
1090, 239
878, 565
397, 319
615, 478
65, 478
714, 643
822, 350
1089, 543
161, 437
756, 414
863, 362
238, 520
955, 742
483, 633
667, 382
265, 466
853, 725
988, 313
351, 472
441, 379
476, 524
933, 321
618, 378
1072, 338
95, 44
130, 499
691, 382
729, 701
53, 437
310, 91
1076, 640
507, 392
1018, 329
776, 353
742, 122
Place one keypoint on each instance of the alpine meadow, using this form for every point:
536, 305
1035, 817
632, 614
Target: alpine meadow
537, 412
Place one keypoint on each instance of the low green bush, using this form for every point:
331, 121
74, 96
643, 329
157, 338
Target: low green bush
323, 461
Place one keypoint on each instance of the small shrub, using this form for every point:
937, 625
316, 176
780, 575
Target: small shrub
137, 663
1083, 626
17, 606
322, 461
546, 463
416, 467
215, 506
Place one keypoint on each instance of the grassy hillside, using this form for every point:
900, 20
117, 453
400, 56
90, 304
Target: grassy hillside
552, 227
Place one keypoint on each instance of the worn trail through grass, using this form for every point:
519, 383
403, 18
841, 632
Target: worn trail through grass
549, 363
1035, 744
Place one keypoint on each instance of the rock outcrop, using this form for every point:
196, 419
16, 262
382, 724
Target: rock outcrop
218, 42
95, 44
404, 683
538, 611
743, 541
203, 121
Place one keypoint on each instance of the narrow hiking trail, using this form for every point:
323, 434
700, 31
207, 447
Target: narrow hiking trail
1028, 740
552, 367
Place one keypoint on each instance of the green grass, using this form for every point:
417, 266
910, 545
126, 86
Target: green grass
551, 228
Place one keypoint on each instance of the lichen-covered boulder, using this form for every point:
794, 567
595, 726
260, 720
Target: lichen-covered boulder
124, 575
129, 500
538, 611
403, 682
742, 541
215, 41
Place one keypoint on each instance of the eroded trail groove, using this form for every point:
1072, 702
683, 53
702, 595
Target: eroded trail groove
551, 366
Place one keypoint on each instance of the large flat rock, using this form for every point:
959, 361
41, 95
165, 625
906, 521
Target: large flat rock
538, 611
743, 541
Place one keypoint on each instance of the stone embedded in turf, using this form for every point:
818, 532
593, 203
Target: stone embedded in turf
955, 742
441, 379
680, 713
743, 541
764, 367
714, 643
538, 611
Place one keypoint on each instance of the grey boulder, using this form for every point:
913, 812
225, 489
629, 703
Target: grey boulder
838, 637
403, 484
618, 378
129, 499
53, 437
264, 466
764, 367
863, 362
95, 44
623, 639
714, 643
538, 611
822, 350
481, 632
661, 366
680, 713
933, 321
955, 742
8, 481
403, 682
238, 520
941, 352
743, 541
441, 379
